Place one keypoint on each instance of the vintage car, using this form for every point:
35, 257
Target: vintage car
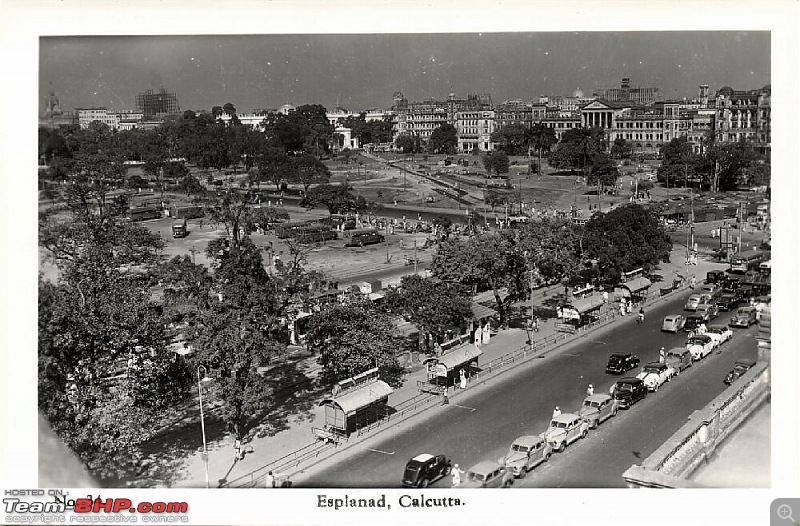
619, 363
693, 321
487, 474
627, 391
695, 300
721, 333
700, 345
708, 311
525, 453
740, 366
715, 276
712, 289
565, 429
744, 317
656, 374
679, 358
728, 301
424, 469
597, 408
673, 323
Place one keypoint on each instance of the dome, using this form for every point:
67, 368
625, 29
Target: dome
578, 93
285, 109
726, 91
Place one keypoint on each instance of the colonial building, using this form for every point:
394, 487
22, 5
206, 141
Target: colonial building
744, 115
629, 94
160, 103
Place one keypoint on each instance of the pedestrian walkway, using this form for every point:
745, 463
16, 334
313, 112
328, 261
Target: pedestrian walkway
262, 451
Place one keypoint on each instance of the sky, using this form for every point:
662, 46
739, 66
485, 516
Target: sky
362, 71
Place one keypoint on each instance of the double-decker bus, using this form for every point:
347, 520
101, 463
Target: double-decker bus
364, 236
744, 261
314, 234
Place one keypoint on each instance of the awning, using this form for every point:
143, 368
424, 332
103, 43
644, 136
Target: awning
637, 284
361, 397
479, 312
586, 304
458, 356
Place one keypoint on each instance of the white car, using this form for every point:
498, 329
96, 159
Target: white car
565, 429
700, 345
656, 374
721, 333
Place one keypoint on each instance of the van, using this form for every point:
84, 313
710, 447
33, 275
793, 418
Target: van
744, 317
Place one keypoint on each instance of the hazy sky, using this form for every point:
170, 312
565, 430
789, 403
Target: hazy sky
362, 71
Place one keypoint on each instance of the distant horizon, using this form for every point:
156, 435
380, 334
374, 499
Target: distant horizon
268, 71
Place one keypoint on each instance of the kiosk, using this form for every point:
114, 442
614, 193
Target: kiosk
633, 289
578, 312
444, 370
354, 403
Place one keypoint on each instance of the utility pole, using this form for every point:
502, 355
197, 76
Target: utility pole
388, 258
741, 226
415, 256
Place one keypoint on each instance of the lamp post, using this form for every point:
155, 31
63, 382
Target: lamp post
202, 418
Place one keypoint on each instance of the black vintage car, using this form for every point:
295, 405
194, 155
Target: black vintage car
425, 469
628, 391
619, 363
741, 366
715, 276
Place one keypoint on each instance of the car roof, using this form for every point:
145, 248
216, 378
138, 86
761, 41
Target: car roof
598, 397
672, 316
485, 466
655, 364
629, 380
620, 355
701, 337
677, 350
423, 457
565, 417
745, 361
716, 328
528, 440
746, 309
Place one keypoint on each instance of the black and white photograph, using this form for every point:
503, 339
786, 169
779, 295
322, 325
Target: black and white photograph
370, 268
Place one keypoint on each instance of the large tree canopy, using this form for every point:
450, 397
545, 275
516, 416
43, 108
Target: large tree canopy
338, 199
432, 305
444, 139
624, 239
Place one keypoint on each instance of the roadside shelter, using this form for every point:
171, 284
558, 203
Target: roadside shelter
356, 402
633, 289
444, 370
581, 309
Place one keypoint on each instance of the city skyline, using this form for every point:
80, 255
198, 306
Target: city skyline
266, 71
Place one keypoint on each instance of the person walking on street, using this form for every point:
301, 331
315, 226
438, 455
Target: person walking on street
535, 324
556, 412
590, 390
269, 481
661, 355
463, 379
237, 450
445, 399
456, 474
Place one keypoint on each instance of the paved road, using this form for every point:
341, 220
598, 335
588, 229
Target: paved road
481, 426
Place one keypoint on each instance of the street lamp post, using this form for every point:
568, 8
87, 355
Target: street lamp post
202, 418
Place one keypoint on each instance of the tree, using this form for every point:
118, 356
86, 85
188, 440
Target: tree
433, 306
484, 261
677, 161
239, 334
338, 199
552, 249
577, 148
512, 139
229, 109
106, 377
542, 138
444, 139
604, 171
495, 198
308, 170
621, 149
624, 239
353, 338
496, 162
408, 144
216, 111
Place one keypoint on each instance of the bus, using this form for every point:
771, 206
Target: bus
314, 234
287, 230
365, 236
142, 213
765, 267
751, 260
179, 228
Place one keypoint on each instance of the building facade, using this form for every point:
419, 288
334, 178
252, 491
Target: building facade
626, 93
153, 103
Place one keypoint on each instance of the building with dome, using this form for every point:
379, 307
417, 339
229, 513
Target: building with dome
743, 115
286, 108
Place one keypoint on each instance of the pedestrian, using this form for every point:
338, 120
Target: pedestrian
702, 329
478, 336
535, 324
237, 450
269, 480
692, 282
487, 334
590, 390
463, 379
661, 355
456, 474
605, 296
622, 308
556, 412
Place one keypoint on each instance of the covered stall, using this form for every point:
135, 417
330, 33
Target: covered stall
578, 312
355, 403
633, 289
444, 370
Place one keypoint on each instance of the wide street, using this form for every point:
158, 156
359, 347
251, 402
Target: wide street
481, 426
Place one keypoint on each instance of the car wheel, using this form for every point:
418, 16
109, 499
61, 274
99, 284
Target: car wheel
561, 447
523, 472
677, 372
508, 483
547, 456
448, 470
614, 412
585, 433
424, 483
